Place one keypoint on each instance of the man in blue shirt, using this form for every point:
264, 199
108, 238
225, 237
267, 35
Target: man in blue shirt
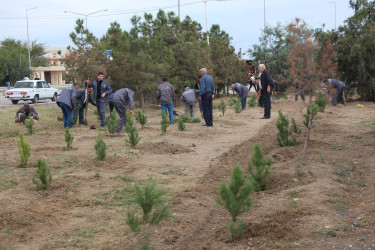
207, 89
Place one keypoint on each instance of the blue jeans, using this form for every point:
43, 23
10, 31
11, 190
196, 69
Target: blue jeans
168, 106
243, 102
8, 83
67, 115
100, 106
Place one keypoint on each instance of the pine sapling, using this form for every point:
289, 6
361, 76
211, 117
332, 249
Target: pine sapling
132, 131
181, 125
284, 133
222, 107
295, 129
112, 122
164, 122
141, 118
29, 123
68, 139
42, 178
235, 198
321, 102
261, 177
252, 101
24, 149
100, 148
315, 109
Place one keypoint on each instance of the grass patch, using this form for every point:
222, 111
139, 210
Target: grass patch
326, 233
293, 193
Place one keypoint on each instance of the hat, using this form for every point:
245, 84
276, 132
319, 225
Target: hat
26, 105
203, 70
187, 88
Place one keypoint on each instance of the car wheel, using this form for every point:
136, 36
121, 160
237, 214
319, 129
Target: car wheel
54, 98
14, 101
36, 99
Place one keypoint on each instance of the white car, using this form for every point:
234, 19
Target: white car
33, 90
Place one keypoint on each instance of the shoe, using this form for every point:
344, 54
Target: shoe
120, 132
172, 123
205, 125
265, 117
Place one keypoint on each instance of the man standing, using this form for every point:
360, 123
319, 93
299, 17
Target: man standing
197, 87
165, 95
83, 96
7, 80
101, 92
242, 91
252, 83
188, 97
121, 98
67, 103
339, 91
300, 89
207, 89
265, 85
25, 112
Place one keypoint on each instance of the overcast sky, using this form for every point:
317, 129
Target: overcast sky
242, 19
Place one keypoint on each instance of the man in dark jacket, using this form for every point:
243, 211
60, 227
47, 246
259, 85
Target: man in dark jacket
7, 81
265, 85
67, 102
122, 98
83, 95
24, 112
166, 96
101, 92
242, 92
339, 87
207, 89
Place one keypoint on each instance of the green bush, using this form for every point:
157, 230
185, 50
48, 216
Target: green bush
187, 119
181, 125
42, 178
29, 123
315, 109
284, 133
132, 131
252, 101
100, 148
164, 122
261, 177
132, 221
112, 122
222, 107
68, 139
321, 102
236, 231
24, 149
237, 105
141, 118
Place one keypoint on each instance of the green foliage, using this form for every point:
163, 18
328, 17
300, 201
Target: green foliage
24, 149
321, 102
132, 221
100, 148
260, 178
68, 139
97, 114
295, 129
187, 119
112, 122
314, 108
236, 231
284, 133
235, 197
164, 122
222, 107
252, 101
43, 177
237, 105
141, 118
29, 123
181, 125
132, 131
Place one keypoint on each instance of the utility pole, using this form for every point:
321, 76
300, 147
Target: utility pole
179, 9
28, 40
85, 15
205, 8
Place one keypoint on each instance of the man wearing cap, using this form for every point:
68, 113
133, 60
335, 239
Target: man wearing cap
207, 89
101, 92
83, 95
265, 85
166, 96
26, 111
122, 98
339, 87
242, 92
68, 102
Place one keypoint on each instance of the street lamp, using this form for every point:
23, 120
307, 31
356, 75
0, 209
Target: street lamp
85, 15
205, 10
28, 41
335, 12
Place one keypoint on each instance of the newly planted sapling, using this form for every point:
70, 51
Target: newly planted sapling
24, 149
321, 102
222, 107
29, 123
315, 109
284, 133
295, 129
141, 118
181, 125
261, 176
237, 105
132, 131
112, 122
164, 122
68, 139
43, 177
100, 148
252, 101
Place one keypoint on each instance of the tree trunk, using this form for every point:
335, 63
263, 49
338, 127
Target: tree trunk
308, 127
142, 100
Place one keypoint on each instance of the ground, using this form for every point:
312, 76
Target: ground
311, 202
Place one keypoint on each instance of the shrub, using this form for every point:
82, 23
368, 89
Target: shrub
100, 148
112, 122
141, 118
282, 137
164, 122
260, 178
29, 123
187, 119
222, 107
321, 102
132, 131
235, 198
132, 221
237, 105
181, 125
42, 178
315, 109
295, 129
68, 139
252, 101
24, 149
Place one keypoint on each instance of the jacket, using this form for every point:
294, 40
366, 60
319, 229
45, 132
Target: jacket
188, 96
124, 96
241, 89
32, 111
105, 88
206, 85
265, 81
81, 95
165, 93
336, 84
68, 96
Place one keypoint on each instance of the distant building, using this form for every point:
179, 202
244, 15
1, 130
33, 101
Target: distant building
54, 72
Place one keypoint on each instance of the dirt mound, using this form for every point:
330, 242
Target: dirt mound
163, 148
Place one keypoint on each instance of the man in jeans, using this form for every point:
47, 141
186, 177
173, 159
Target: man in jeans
101, 92
207, 89
242, 92
67, 103
7, 80
165, 95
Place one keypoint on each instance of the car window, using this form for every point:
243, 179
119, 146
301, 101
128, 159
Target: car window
21, 84
39, 85
45, 85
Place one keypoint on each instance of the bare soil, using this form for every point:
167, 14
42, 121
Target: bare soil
311, 201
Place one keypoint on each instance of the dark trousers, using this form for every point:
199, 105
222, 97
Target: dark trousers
67, 115
267, 104
207, 108
300, 90
121, 110
80, 113
251, 85
23, 117
100, 106
260, 102
340, 95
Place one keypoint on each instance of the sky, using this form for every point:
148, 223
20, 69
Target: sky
243, 20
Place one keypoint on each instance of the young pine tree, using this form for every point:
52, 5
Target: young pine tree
112, 122
42, 178
261, 176
284, 133
235, 198
29, 123
141, 118
222, 107
24, 149
321, 102
132, 131
238, 106
68, 139
314, 108
164, 122
295, 129
100, 148
181, 125
252, 101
